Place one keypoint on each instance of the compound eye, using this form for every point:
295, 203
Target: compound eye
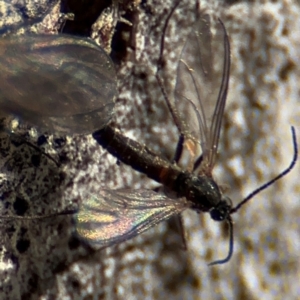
217, 215
222, 210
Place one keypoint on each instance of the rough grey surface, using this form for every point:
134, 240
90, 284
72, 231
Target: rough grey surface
16, 14
41, 259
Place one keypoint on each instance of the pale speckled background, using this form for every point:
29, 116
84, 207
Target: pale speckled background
41, 260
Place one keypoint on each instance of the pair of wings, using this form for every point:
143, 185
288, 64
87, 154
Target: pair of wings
113, 216
201, 86
60, 83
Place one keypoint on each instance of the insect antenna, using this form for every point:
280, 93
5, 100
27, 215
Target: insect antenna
251, 195
231, 245
279, 176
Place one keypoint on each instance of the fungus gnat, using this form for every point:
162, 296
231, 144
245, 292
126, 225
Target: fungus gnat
113, 216
59, 83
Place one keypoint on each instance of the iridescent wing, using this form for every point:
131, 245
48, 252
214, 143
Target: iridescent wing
114, 216
202, 84
57, 82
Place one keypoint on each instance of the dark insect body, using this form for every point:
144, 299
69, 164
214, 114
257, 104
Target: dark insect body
113, 216
58, 83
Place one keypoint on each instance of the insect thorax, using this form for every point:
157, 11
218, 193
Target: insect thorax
201, 191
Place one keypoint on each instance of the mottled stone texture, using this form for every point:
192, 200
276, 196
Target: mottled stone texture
41, 259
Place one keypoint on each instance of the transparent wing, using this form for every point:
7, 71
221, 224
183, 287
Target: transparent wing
202, 84
58, 82
114, 216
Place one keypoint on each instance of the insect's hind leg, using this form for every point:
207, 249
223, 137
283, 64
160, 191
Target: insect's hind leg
171, 107
20, 140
